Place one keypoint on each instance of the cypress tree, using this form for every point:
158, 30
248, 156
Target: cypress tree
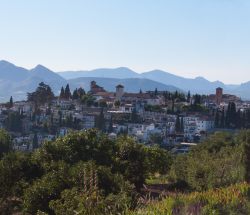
35, 141
81, 92
188, 96
100, 124
156, 92
110, 129
62, 93
11, 102
231, 116
67, 92
217, 119
178, 124
222, 119
75, 95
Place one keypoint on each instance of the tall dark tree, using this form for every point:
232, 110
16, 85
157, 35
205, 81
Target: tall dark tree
81, 92
11, 102
62, 93
182, 125
217, 119
14, 122
188, 96
173, 103
134, 116
222, 119
197, 99
67, 92
42, 95
156, 92
75, 95
231, 115
110, 128
35, 141
178, 124
5, 142
100, 121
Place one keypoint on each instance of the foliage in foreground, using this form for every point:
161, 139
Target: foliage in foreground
218, 162
87, 173
231, 200
83, 173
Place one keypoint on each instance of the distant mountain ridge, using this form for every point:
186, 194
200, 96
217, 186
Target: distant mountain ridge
17, 81
133, 85
195, 85
121, 72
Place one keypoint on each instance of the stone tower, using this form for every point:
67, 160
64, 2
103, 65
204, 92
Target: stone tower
219, 94
119, 91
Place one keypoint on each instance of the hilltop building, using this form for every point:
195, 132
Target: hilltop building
119, 92
94, 88
219, 94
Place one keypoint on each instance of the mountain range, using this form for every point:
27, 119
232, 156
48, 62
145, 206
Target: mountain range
17, 81
195, 85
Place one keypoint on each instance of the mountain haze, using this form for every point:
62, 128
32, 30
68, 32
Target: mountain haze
121, 72
130, 84
195, 85
17, 81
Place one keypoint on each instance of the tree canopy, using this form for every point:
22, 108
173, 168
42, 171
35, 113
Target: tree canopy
42, 95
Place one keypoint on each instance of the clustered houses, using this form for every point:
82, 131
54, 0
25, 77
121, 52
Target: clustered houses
151, 117
195, 126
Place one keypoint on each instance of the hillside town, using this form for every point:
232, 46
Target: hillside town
173, 120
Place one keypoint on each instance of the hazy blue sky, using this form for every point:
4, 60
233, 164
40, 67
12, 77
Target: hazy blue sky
209, 38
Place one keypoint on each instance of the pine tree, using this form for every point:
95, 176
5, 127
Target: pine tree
134, 116
222, 119
67, 92
81, 92
217, 119
178, 124
75, 95
156, 92
173, 104
110, 129
238, 119
100, 122
42, 95
62, 93
11, 102
182, 125
176, 94
231, 116
188, 96
35, 141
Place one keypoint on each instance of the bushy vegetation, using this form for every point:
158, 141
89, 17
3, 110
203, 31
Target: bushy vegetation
219, 161
212, 179
231, 200
84, 173
87, 173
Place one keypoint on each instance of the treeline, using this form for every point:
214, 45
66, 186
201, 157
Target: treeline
84, 172
87, 173
218, 162
44, 94
78, 93
212, 179
232, 118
